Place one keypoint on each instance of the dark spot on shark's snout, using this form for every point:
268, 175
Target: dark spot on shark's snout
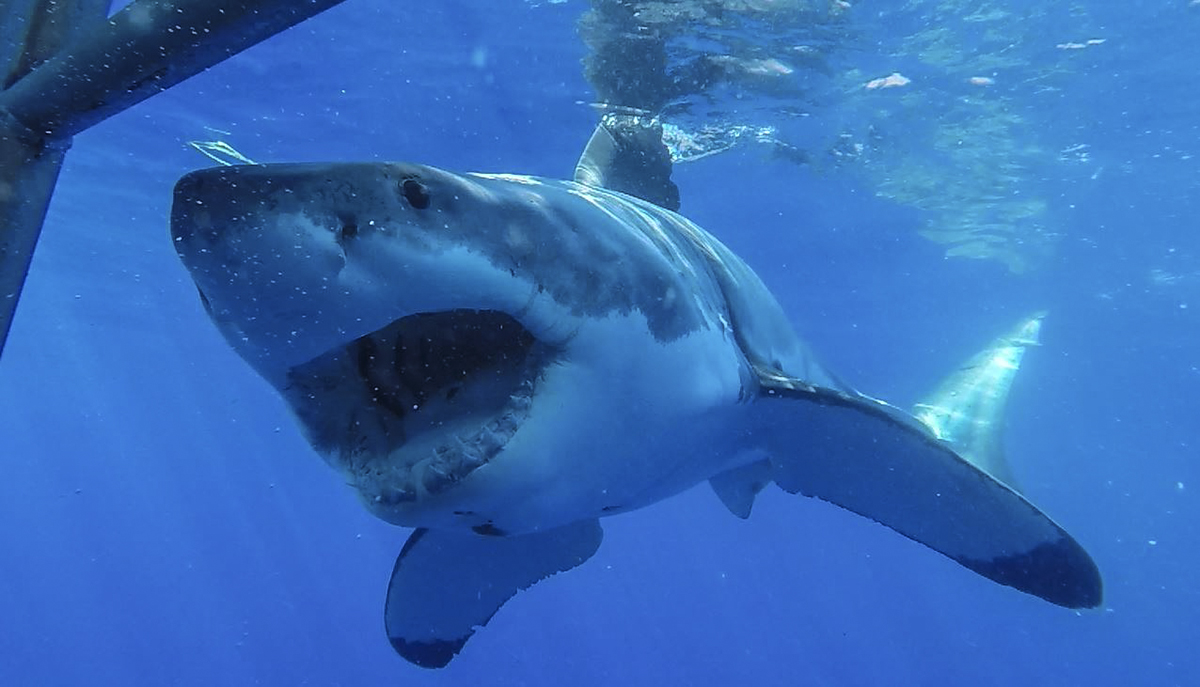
415, 193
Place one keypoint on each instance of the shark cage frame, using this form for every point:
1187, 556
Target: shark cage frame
65, 65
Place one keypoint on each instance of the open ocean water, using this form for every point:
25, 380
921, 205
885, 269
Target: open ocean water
162, 521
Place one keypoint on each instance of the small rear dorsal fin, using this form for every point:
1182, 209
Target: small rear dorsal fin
626, 153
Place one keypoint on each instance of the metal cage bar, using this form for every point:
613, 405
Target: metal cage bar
66, 68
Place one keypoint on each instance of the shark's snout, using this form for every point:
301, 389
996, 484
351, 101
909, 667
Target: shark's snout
296, 260
190, 215
209, 201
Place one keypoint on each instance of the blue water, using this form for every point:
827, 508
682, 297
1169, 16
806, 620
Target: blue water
163, 523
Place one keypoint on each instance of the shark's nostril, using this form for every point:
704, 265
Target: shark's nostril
347, 224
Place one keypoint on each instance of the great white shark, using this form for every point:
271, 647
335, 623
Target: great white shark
499, 361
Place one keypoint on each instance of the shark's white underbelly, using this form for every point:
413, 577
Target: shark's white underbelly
637, 421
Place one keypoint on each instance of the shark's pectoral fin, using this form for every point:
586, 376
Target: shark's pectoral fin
877, 461
737, 487
447, 583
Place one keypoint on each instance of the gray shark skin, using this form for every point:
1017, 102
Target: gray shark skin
499, 361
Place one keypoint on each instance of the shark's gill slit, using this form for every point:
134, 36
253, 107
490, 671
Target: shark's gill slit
464, 374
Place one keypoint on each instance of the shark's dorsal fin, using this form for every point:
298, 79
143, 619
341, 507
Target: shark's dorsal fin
626, 153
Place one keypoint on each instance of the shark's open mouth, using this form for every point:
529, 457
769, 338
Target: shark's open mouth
438, 395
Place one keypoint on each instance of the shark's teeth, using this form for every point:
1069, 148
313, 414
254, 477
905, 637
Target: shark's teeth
433, 483
507, 424
395, 496
489, 441
473, 460
454, 460
470, 454
402, 477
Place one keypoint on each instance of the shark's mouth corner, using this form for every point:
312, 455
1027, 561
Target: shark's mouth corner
413, 408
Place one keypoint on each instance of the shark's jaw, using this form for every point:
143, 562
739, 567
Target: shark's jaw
408, 411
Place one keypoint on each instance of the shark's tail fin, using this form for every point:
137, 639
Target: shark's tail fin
967, 408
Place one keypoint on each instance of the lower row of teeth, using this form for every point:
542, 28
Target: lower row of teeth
453, 461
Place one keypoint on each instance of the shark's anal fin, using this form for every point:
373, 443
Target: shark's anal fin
447, 583
878, 461
626, 153
737, 487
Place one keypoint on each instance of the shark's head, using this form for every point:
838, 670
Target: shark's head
410, 316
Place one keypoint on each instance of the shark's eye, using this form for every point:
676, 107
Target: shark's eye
415, 193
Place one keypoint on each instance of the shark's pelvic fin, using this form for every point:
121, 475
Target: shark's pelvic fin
967, 409
737, 487
626, 153
447, 583
878, 461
